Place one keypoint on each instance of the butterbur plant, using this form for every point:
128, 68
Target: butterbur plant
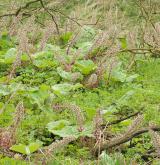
26, 149
70, 58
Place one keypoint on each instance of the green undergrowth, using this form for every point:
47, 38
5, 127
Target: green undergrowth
45, 83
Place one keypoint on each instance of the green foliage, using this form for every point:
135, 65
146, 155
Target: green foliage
85, 66
64, 128
46, 82
58, 75
118, 74
88, 33
64, 38
65, 88
117, 159
11, 161
123, 42
69, 75
5, 42
26, 150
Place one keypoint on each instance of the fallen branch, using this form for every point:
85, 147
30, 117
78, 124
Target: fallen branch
124, 138
58, 145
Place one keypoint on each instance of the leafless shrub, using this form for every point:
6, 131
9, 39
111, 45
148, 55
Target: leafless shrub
16, 64
132, 37
92, 81
47, 33
98, 121
8, 135
6, 140
18, 116
14, 25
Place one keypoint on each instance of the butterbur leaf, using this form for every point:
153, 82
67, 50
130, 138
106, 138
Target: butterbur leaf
38, 96
65, 88
4, 90
76, 86
26, 150
85, 66
64, 74
21, 148
34, 147
66, 131
56, 125
10, 56
44, 63
43, 54
84, 47
131, 78
118, 75
62, 89
87, 34
64, 128
106, 159
69, 75
52, 48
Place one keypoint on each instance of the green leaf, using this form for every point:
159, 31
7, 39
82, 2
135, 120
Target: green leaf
21, 148
118, 74
57, 125
65, 88
45, 63
38, 96
131, 78
10, 56
43, 55
26, 150
105, 159
85, 66
69, 75
52, 48
34, 147
84, 47
64, 74
87, 34
64, 128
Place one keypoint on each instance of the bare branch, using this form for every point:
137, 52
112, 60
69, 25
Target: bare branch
20, 9
123, 139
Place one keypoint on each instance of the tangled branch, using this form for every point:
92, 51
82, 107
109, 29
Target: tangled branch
19, 9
